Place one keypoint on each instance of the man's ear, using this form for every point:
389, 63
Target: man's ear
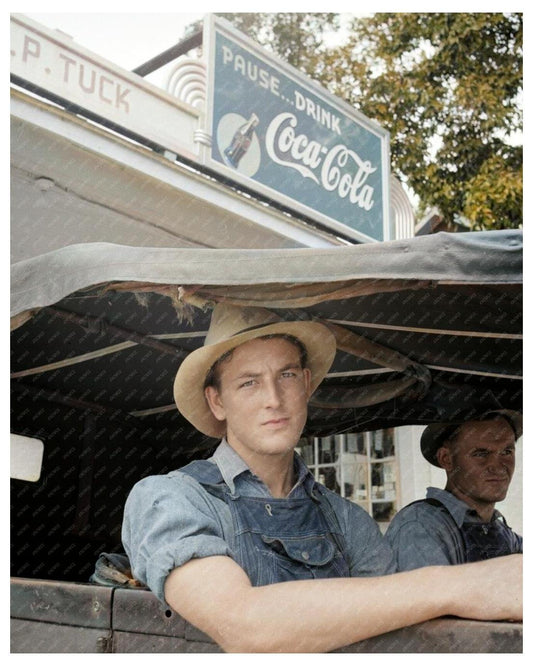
444, 458
215, 403
307, 381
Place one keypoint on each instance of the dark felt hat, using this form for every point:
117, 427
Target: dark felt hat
436, 434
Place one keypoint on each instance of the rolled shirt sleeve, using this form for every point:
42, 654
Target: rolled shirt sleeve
169, 520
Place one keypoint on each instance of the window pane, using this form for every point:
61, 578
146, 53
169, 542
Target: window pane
328, 449
388, 442
389, 481
355, 443
305, 449
376, 444
377, 481
356, 480
382, 443
327, 476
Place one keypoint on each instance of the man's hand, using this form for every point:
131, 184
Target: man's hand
488, 590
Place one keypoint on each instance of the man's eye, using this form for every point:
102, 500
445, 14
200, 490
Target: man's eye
249, 382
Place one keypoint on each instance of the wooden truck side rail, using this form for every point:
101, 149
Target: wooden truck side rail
61, 617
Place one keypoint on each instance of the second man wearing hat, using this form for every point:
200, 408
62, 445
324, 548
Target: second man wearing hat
460, 523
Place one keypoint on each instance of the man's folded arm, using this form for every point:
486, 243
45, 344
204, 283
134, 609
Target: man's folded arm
215, 595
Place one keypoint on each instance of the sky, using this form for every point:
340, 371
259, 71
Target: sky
131, 38
127, 39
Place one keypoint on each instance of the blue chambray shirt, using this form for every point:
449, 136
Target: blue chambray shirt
421, 535
171, 519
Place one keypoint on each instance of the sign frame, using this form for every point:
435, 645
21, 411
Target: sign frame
215, 25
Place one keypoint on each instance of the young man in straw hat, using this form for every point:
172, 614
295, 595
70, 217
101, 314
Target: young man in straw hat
460, 523
247, 546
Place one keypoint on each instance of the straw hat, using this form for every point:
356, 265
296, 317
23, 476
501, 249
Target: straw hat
230, 327
436, 434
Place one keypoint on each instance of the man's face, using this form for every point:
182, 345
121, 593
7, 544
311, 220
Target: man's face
262, 397
480, 462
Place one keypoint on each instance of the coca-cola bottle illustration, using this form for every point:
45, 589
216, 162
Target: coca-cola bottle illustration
241, 141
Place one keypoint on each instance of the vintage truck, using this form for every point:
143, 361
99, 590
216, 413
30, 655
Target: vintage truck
428, 329
118, 208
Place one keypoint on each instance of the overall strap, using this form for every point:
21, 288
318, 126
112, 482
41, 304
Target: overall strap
427, 500
203, 471
435, 502
331, 518
457, 534
208, 476
502, 518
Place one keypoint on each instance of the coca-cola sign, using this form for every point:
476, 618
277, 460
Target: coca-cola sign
336, 169
278, 133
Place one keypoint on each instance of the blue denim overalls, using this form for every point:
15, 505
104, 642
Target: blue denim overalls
279, 540
481, 541
485, 540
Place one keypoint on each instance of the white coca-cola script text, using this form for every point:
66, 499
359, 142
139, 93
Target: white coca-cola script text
337, 169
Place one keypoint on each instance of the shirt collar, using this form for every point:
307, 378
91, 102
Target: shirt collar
231, 465
457, 508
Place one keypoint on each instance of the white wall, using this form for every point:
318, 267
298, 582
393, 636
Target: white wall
512, 506
416, 474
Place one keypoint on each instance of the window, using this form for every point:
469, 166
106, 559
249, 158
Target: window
358, 466
26, 457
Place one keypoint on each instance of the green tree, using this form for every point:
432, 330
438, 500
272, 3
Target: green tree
448, 88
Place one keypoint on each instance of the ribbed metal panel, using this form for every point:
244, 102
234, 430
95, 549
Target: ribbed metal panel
187, 82
403, 218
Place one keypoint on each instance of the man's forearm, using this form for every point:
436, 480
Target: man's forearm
321, 615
